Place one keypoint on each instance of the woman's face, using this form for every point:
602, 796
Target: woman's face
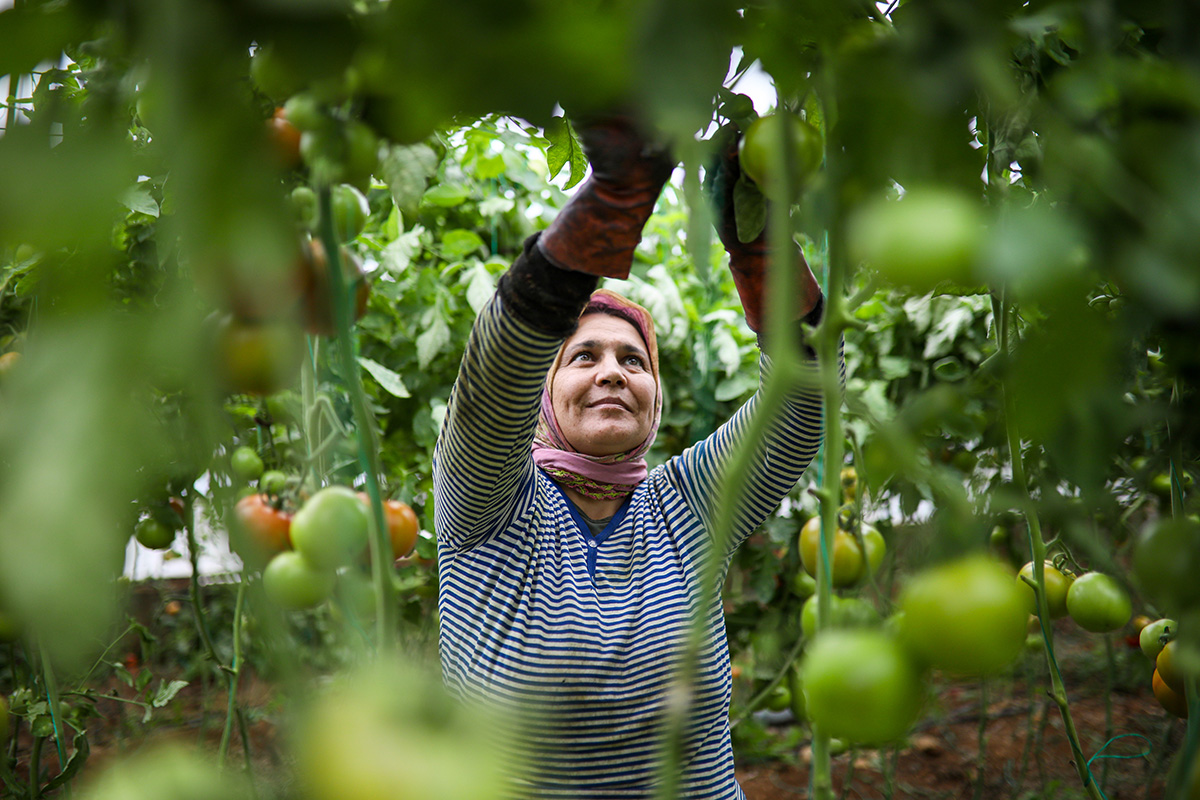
603, 392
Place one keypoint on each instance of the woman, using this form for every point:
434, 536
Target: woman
569, 575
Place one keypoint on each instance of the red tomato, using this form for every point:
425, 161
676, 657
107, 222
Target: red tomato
267, 527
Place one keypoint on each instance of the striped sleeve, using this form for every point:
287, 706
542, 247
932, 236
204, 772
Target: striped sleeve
482, 460
790, 443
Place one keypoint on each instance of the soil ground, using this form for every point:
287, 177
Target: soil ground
1026, 755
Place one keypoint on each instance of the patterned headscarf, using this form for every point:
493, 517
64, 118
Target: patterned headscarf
608, 477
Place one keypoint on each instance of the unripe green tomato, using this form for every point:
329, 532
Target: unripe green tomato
272, 481
861, 685
331, 528
876, 549
292, 582
803, 584
304, 203
844, 612
1150, 637
246, 463
1098, 603
796, 685
1166, 561
350, 211
152, 533
779, 698
966, 616
307, 113
759, 151
929, 236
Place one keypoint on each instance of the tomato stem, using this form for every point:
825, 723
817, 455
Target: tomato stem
382, 557
1037, 547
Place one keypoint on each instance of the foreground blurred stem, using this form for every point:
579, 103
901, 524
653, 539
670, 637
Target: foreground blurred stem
382, 557
1037, 547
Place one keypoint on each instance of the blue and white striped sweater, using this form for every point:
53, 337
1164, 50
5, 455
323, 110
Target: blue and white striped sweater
584, 635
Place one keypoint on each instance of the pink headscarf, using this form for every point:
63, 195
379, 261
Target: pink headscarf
599, 477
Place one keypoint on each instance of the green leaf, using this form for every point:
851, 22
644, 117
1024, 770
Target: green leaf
407, 170
734, 387
481, 288
166, 692
388, 380
564, 148
447, 195
749, 209
432, 342
459, 243
137, 198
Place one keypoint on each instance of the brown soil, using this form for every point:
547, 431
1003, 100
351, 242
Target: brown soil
1026, 754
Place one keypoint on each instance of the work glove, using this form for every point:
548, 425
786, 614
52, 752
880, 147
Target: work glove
600, 227
748, 260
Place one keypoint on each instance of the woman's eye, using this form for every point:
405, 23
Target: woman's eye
582, 355
635, 361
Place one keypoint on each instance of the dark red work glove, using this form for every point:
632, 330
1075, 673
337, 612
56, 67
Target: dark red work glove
600, 227
748, 260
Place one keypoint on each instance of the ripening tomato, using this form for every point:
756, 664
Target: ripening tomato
317, 310
1173, 701
266, 526
258, 358
861, 686
331, 528
1057, 584
292, 582
285, 139
779, 698
1167, 664
403, 526
762, 146
1098, 603
1150, 639
966, 616
847, 557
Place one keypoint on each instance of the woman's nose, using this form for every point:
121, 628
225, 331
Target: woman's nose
610, 372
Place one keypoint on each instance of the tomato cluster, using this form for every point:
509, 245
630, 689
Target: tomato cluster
315, 550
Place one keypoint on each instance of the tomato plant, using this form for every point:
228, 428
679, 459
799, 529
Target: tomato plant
966, 616
285, 139
847, 556
402, 522
1098, 603
1173, 701
331, 528
1166, 560
350, 211
861, 686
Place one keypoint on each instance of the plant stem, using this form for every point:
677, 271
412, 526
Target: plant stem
382, 557
1037, 548
234, 672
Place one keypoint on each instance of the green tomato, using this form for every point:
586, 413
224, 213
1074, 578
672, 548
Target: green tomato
272, 481
796, 686
844, 612
1166, 561
1098, 603
1150, 638
967, 616
350, 211
929, 236
152, 533
779, 698
762, 145
861, 686
307, 113
331, 528
292, 582
304, 203
803, 584
876, 549
246, 463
